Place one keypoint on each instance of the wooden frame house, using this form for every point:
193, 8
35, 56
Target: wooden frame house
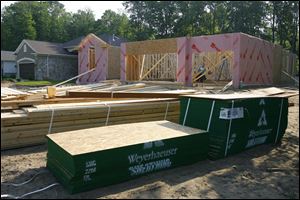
93, 52
249, 60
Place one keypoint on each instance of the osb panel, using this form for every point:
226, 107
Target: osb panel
114, 65
288, 65
132, 68
102, 138
277, 66
151, 47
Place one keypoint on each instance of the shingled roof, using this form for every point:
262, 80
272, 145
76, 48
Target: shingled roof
73, 43
49, 48
112, 39
67, 48
8, 56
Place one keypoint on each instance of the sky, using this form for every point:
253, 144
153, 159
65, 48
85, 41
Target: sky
98, 7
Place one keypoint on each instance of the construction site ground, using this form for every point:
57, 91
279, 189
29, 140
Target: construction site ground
266, 171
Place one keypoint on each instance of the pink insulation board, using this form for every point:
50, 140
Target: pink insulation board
256, 60
101, 60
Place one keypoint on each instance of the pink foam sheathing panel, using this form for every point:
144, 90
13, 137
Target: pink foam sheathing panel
101, 60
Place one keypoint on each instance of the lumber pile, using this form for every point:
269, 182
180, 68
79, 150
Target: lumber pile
28, 126
12, 94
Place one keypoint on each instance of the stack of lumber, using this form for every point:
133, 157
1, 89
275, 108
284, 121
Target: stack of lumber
11, 94
28, 126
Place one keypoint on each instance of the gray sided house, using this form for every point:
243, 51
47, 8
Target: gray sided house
38, 60
8, 64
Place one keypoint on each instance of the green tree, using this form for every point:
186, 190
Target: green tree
162, 17
113, 23
247, 16
140, 29
18, 24
82, 23
59, 19
42, 20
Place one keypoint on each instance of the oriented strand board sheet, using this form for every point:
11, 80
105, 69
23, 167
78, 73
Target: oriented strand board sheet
151, 47
114, 65
225, 96
102, 138
259, 93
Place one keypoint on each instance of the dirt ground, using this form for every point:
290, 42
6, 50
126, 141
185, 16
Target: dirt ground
266, 171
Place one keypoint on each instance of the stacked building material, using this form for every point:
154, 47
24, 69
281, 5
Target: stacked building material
30, 125
236, 122
85, 159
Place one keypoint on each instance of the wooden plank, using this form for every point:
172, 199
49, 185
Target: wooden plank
28, 138
142, 68
12, 132
61, 120
21, 103
17, 143
122, 95
35, 115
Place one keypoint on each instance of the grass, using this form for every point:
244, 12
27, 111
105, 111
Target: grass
36, 83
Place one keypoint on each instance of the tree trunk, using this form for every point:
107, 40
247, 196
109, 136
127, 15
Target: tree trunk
273, 23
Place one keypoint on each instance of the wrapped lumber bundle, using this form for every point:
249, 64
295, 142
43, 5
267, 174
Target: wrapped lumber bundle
30, 125
236, 122
85, 159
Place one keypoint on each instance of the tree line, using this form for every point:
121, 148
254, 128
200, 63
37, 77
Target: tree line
275, 21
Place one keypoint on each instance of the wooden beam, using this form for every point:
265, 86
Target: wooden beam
153, 67
121, 95
142, 68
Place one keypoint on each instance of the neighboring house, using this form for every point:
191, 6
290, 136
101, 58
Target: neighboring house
102, 53
8, 64
38, 60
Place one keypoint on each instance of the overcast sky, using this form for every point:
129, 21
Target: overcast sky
98, 7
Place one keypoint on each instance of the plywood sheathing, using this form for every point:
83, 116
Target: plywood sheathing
102, 138
151, 47
113, 71
288, 64
277, 64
